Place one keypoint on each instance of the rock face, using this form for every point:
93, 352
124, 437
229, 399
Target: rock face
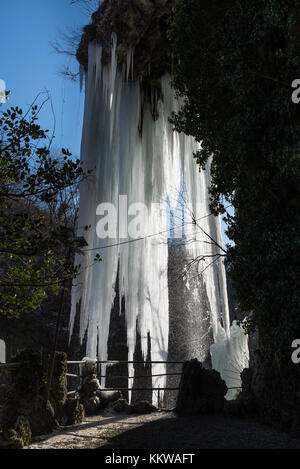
189, 318
271, 397
201, 391
140, 24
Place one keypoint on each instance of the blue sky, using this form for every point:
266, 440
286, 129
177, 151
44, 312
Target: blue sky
28, 64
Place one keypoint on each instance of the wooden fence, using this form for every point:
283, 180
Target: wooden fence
121, 362
124, 362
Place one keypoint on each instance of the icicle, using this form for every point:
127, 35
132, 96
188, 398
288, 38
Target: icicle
81, 76
98, 60
113, 68
132, 62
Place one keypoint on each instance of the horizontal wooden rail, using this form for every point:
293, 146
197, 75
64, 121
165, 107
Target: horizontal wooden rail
128, 377
124, 362
75, 362
132, 389
140, 389
142, 376
9, 365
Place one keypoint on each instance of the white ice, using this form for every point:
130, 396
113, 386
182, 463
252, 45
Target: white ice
155, 168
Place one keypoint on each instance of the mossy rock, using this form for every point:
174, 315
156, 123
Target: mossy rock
9, 439
26, 397
22, 427
42, 419
73, 413
59, 391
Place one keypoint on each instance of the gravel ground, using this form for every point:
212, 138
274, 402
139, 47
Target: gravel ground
163, 430
95, 432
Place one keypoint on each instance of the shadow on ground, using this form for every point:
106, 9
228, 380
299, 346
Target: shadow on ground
202, 433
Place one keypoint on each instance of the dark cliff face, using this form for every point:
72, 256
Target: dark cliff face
141, 24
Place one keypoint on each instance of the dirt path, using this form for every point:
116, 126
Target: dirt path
165, 431
95, 432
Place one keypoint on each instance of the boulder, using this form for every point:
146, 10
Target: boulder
107, 397
73, 412
144, 407
234, 408
90, 386
91, 405
23, 429
122, 406
201, 391
10, 440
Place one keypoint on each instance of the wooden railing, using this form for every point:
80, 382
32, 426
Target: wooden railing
124, 362
134, 362
9, 365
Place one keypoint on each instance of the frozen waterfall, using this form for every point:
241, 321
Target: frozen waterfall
144, 174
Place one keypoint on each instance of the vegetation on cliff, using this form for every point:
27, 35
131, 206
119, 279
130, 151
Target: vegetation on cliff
236, 68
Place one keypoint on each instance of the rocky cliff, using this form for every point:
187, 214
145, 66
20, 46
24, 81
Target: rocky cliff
138, 24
